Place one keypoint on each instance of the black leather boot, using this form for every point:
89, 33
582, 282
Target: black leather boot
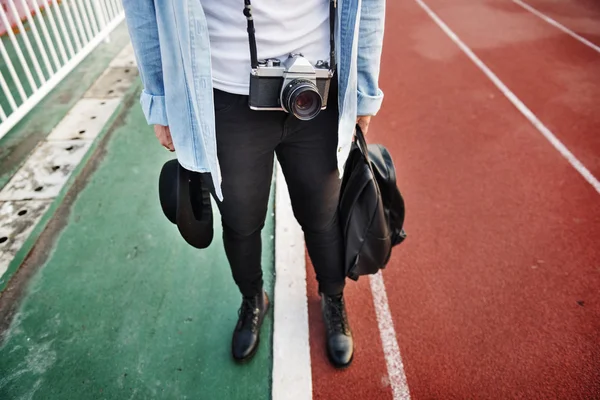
246, 335
340, 346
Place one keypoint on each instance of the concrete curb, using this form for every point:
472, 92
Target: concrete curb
32, 196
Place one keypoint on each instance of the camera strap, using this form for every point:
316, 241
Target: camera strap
252, 35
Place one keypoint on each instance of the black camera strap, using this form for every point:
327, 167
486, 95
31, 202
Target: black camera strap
332, 11
252, 36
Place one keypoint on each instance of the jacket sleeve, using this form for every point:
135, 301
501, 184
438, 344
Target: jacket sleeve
143, 31
370, 43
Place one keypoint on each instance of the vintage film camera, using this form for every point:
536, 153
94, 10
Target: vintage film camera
293, 85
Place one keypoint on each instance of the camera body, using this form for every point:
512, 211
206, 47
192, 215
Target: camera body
294, 86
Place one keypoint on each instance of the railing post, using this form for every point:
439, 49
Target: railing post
35, 57
101, 18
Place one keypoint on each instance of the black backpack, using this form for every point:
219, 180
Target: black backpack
371, 208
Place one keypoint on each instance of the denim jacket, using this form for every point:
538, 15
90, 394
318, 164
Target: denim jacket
172, 49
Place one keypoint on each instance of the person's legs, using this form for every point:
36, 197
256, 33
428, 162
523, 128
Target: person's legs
246, 141
245, 144
308, 156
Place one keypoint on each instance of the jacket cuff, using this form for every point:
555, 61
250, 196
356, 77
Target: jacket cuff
154, 109
369, 105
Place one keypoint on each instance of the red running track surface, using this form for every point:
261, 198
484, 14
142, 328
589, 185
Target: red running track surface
580, 16
556, 76
496, 292
367, 376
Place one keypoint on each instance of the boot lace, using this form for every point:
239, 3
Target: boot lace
338, 320
249, 313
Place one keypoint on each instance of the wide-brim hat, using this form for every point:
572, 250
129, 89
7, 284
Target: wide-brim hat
185, 201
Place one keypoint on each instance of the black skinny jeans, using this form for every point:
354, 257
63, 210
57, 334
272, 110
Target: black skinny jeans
247, 141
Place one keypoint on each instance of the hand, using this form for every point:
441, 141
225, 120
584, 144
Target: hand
163, 134
363, 122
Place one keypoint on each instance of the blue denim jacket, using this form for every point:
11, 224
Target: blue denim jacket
172, 49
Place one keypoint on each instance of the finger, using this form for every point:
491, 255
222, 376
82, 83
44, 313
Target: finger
364, 127
166, 143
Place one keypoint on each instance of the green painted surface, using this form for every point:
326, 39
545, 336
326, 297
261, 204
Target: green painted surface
124, 308
22, 139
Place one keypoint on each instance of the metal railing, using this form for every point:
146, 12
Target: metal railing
41, 42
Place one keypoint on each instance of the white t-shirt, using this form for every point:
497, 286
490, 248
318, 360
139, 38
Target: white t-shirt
282, 27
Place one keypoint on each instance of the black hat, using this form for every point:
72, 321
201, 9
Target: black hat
185, 201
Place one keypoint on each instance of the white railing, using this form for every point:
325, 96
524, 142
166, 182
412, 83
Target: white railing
41, 42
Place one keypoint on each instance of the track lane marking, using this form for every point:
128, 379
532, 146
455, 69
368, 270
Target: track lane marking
554, 141
391, 350
557, 24
292, 372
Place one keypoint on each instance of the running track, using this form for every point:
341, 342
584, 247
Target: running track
496, 292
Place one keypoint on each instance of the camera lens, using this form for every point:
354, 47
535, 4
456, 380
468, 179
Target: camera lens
302, 99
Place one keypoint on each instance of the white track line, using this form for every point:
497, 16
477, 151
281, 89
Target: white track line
292, 374
587, 175
557, 25
391, 350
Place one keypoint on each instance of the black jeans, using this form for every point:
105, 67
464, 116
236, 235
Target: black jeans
247, 141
